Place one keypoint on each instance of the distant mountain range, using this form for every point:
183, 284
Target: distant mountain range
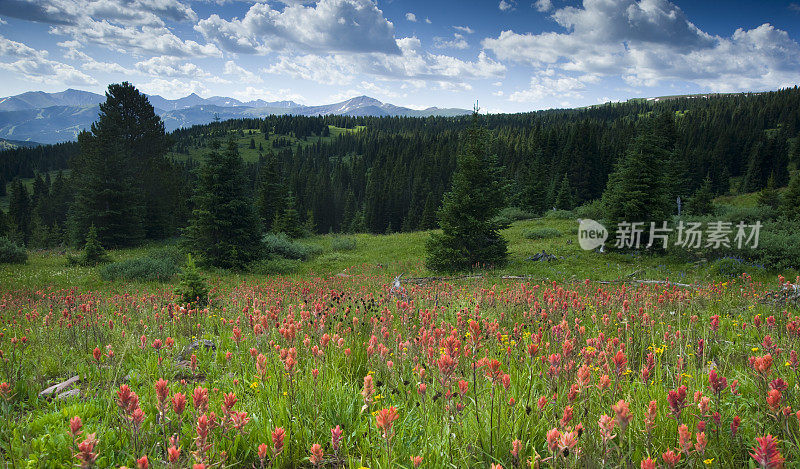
42, 117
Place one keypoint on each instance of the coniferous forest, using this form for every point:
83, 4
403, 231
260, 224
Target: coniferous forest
135, 182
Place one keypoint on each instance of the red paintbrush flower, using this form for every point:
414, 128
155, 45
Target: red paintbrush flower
384, 420
766, 453
75, 426
671, 458
178, 403
277, 440
676, 399
316, 454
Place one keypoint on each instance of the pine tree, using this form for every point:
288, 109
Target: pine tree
769, 196
3, 224
349, 213
702, 201
791, 198
269, 193
565, 199
636, 190
122, 173
19, 213
428, 219
192, 287
287, 221
40, 234
470, 234
93, 251
224, 229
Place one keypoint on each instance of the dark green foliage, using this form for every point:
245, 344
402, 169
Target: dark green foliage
3, 223
565, 199
19, 212
192, 288
428, 218
769, 157
280, 245
541, 233
636, 190
702, 201
470, 236
778, 246
270, 193
593, 210
515, 214
224, 229
10, 253
123, 185
93, 252
559, 215
791, 198
143, 269
769, 196
287, 219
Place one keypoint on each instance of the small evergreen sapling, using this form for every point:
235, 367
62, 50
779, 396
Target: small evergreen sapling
93, 251
192, 287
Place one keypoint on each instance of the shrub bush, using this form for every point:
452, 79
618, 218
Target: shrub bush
171, 253
748, 215
516, 214
143, 269
592, 210
10, 253
343, 243
559, 215
279, 245
778, 246
541, 233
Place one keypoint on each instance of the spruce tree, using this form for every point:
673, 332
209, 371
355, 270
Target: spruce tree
428, 219
270, 192
93, 251
769, 196
121, 172
565, 199
224, 229
349, 212
19, 212
470, 236
791, 198
702, 201
636, 190
3, 223
287, 220
192, 287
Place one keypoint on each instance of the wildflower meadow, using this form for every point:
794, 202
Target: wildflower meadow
348, 372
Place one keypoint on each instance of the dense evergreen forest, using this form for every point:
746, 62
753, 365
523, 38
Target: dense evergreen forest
390, 173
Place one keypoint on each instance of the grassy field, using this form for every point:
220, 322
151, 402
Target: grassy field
327, 367
401, 253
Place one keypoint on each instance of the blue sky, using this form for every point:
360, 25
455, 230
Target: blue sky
511, 55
